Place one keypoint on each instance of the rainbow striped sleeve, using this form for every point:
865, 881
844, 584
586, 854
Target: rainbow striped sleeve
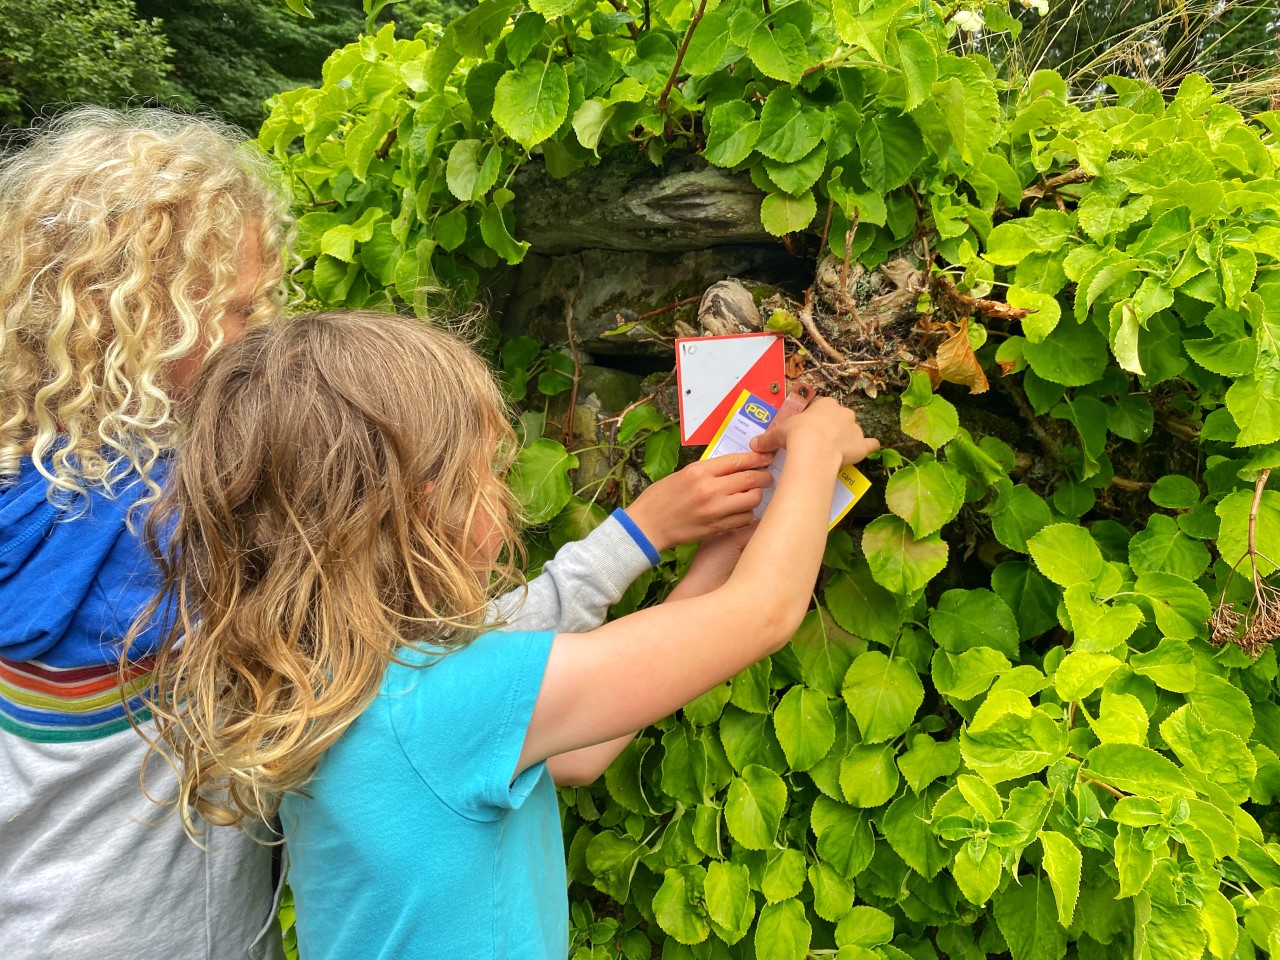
68, 705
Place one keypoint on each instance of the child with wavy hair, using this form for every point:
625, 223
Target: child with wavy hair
337, 524
131, 244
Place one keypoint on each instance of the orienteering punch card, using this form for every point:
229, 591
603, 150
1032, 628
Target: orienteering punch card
748, 417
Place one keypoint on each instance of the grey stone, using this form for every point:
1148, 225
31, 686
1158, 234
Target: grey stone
628, 204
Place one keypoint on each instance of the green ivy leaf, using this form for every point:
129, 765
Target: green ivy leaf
1062, 863
1175, 492
1181, 608
906, 826
891, 148
783, 932
641, 417
868, 777
805, 727
753, 808
832, 893
778, 51
926, 417
731, 906
976, 870
1038, 325
676, 907
965, 675
1138, 770
661, 453
1122, 719
733, 134
864, 926
919, 65
782, 213
1171, 666
863, 607
1009, 738
531, 102
1067, 554
1254, 402
928, 760
708, 44
883, 695
540, 479
1073, 355
1018, 514
1026, 914
965, 619
789, 127
844, 837
1081, 673
748, 738
1233, 533
1099, 627
784, 875
497, 235
1163, 548
901, 563
927, 495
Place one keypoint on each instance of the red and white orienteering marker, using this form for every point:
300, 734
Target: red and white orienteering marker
712, 372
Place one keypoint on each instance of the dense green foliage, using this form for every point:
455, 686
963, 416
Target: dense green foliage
54, 52
230, 56
1007, 727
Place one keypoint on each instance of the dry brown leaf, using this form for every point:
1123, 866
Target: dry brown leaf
957, 362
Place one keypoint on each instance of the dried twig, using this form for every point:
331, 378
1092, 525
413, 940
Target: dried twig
675, 69
617, 421
991, 308
1262, 619
1050, 445
1130, 486
570, 301
1051, 185
683, 302
805, 316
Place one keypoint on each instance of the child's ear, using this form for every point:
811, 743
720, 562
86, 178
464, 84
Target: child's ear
428, 487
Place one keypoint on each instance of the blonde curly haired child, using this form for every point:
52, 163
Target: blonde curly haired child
331, 534
131, 244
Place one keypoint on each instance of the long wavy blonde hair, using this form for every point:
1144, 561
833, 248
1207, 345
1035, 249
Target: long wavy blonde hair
336, 473
121, 233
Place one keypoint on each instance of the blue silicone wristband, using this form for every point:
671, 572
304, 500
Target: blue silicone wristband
637, 535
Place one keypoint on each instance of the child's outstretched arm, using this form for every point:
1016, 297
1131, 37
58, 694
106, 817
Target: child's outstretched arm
579, 584
629, 673
710, 569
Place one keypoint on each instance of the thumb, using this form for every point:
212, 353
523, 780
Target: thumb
772, 439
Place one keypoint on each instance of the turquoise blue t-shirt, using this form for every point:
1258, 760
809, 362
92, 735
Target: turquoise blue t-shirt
414, 842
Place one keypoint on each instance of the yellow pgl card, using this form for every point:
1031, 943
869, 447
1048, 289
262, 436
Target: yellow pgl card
749, 417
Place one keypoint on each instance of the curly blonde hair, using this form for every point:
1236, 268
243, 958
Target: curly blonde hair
121, 235
333, 500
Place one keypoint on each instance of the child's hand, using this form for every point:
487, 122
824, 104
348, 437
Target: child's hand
826, 425
713, 563
705, 498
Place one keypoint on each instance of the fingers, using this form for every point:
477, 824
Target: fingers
738, 504
747, 480
733, 462
741, 506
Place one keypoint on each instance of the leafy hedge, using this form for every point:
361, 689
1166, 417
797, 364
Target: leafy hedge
1034, 711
